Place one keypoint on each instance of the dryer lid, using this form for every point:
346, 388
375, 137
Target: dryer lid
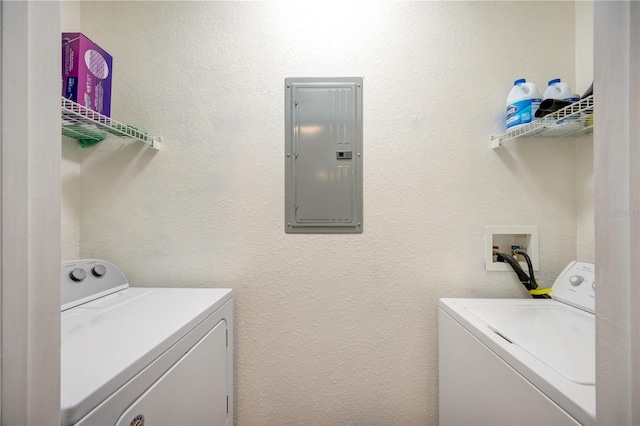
106, 342
558, 335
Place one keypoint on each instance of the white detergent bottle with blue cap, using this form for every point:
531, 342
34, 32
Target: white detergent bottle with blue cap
559, 90
522, 103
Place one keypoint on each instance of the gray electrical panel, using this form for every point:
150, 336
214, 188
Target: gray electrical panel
323, 155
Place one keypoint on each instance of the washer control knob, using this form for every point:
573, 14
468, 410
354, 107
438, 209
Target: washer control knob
78, 275
576, 280
99, 271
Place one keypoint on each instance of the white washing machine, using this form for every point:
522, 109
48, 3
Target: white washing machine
136, 356
518, 361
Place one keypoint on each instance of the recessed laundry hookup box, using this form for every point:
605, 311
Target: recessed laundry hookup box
86, 73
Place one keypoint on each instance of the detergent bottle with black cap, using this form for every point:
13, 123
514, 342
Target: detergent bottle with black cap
557, 96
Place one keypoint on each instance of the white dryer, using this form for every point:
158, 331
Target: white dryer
520, 362
136, 356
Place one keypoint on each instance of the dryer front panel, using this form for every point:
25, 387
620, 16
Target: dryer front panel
192, 392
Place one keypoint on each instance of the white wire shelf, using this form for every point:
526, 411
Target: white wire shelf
90, 127
573, 120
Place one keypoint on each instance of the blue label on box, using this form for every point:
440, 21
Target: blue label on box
70, 92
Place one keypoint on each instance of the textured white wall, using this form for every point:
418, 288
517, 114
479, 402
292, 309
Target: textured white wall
585, 234
71, 160
70, 199
331, 328
70, 16
584, 45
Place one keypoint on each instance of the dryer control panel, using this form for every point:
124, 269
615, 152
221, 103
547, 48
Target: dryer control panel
84, 280
576, 286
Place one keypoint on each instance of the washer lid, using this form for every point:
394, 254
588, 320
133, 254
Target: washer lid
106, 342
560, 336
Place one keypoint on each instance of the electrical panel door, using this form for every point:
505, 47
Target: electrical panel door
323, 149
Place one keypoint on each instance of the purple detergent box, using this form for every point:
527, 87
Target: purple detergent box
86, 73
